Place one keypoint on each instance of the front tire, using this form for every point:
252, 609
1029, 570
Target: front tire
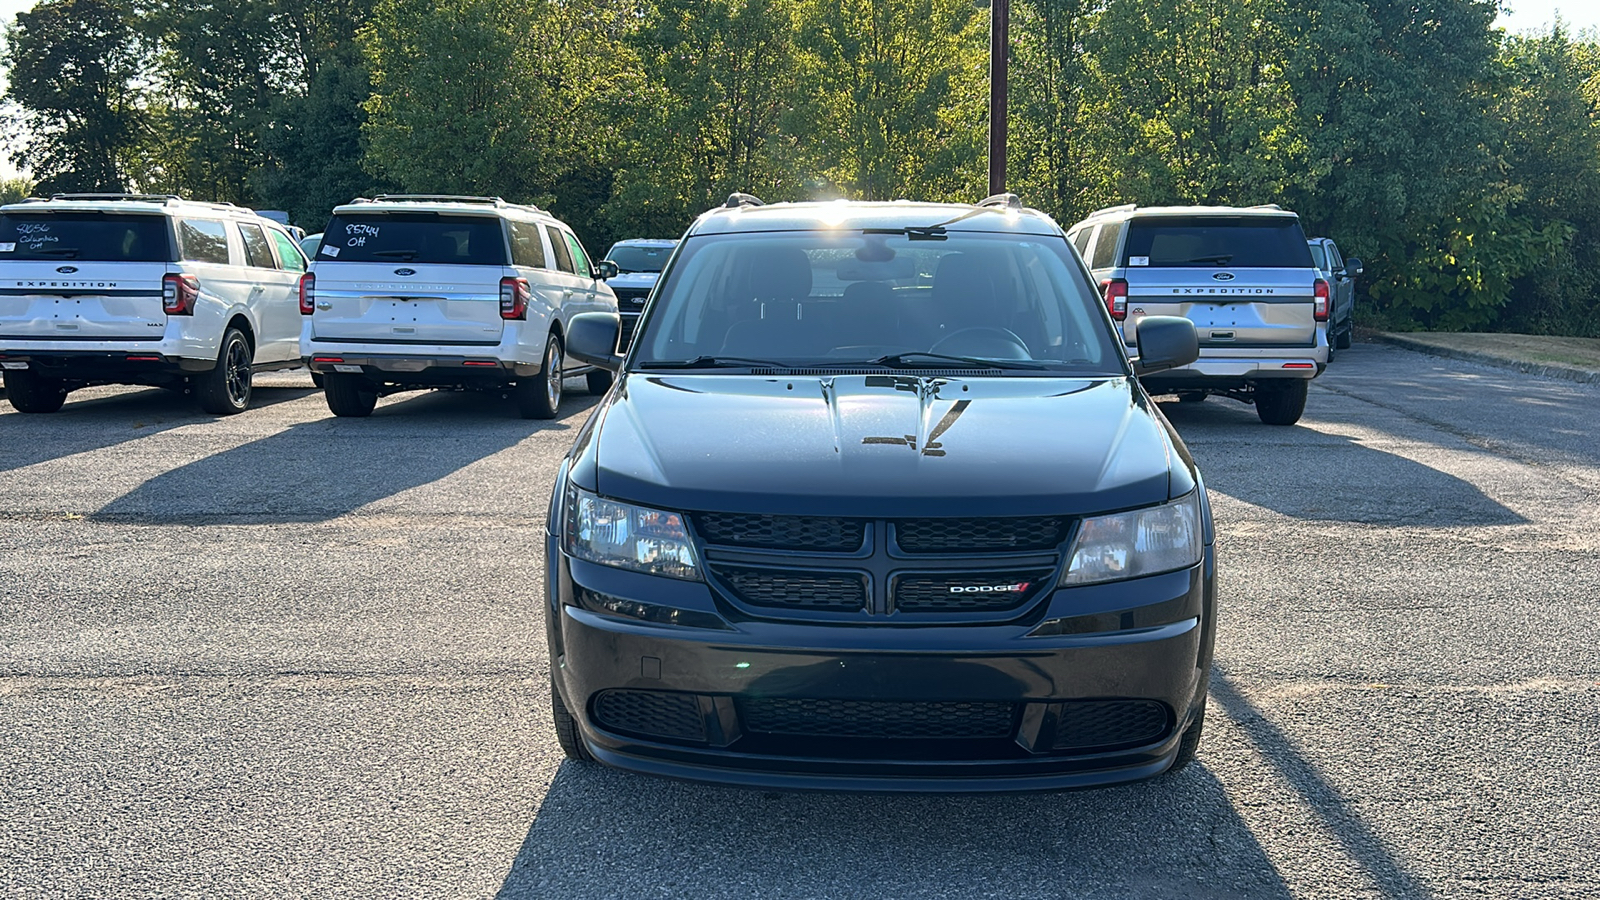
226, 389
540, 397
349, 395
599, 381
1281, 402
567, 734
30, 393
1189, 744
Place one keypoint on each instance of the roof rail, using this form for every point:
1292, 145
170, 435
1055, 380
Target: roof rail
1126, 207
737, 200
1004, 201
147, 198
434, 198
1266, 206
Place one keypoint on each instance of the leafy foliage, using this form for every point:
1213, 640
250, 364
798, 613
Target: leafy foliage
1462, 165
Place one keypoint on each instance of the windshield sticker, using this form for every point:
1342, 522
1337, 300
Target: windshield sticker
329, 251
1138, 260
8, 248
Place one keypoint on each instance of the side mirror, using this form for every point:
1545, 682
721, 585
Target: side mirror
592, 338
605, 268
1165, 342
1353, 266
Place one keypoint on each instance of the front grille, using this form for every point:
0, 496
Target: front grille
877, 718
817, 533
1101, 725
951, 592
631, 298
662, 714
625, 336
958, 535
796, 589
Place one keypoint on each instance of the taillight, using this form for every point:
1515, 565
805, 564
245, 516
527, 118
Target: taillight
179, 293
1319, 308
1115, 291
514, 296
308, 293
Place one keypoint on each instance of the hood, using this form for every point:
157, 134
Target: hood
644, 280
880, 445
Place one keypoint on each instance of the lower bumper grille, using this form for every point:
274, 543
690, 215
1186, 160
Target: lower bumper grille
1110, 724
878, 718
661, 714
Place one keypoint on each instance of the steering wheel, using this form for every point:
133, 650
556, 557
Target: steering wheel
990, 341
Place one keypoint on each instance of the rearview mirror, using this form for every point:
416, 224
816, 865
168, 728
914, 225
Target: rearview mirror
592, 338
1165, 342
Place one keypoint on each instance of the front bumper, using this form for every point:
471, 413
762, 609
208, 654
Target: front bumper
1094, 689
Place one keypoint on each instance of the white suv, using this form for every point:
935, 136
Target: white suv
416, 291
143, 289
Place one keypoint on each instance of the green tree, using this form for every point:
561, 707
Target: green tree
895, 97
706, 117
15, 189
75, 71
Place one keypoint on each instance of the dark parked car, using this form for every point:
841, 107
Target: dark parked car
1341, 274
879, 503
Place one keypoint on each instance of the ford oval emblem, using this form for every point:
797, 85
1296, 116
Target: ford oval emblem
405, 271
1223, 276
67, 270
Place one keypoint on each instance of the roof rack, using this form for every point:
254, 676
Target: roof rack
434, 198
1126, 207
737, 200
146, 198
1266, 206
1002, 201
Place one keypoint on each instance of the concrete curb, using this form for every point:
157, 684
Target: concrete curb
1548, 370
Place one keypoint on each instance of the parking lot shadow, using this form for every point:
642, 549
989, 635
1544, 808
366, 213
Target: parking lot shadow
1308, 474
602, 833
83, 426
319, 470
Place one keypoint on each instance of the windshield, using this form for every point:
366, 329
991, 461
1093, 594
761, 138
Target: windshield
99, 237
639, 259
1238, 242
1018, 303
414, 238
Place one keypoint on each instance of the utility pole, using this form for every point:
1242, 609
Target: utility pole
999, 41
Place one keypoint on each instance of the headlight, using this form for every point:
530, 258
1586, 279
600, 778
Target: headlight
1134, 544
627, 536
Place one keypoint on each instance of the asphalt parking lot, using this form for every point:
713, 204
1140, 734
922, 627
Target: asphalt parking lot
283, 655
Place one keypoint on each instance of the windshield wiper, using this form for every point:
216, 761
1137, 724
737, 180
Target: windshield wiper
406, 255
713, 362
913, 232
1220, 259
908, 360
63, 252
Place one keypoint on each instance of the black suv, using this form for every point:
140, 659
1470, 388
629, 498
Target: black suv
878, 503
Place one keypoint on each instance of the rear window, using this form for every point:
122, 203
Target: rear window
1275, 242
101, 237
639, 259
414, 238
203, 240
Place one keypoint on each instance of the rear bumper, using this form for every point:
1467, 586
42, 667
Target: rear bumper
1066, 710
430, 370
129, 366
1233, 372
